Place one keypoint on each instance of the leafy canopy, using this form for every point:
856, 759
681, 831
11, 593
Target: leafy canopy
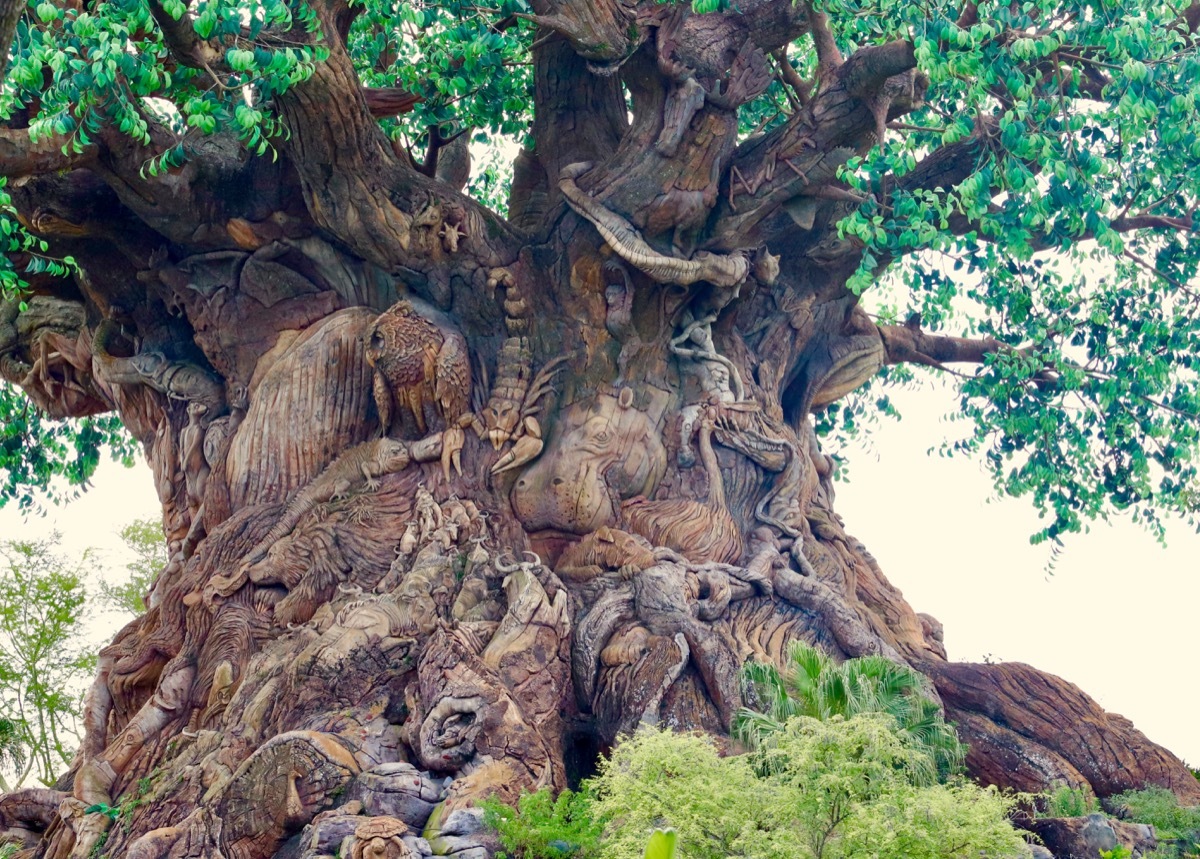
36, 453
1064, 230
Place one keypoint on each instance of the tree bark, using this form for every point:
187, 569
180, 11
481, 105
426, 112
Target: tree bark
454, 497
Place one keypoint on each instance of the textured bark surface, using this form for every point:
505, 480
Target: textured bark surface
1027, 728
454, 500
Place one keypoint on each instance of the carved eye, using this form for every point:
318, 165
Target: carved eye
603, 436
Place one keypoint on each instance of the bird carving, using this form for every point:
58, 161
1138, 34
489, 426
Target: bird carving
417, 360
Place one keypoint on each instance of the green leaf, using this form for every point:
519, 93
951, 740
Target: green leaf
661, 844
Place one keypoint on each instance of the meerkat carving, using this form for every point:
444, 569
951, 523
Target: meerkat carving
417, 359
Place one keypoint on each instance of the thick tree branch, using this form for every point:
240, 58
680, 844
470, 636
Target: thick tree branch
908, 344
829, 57
22, 156
383, 102
577, 116
598, 30
359, 190
801, 157
866, 71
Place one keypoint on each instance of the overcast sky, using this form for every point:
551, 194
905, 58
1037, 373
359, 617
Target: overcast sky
1117, 617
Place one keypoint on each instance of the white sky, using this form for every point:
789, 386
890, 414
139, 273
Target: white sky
1117, 617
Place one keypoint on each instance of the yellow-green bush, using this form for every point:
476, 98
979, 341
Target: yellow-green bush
837, 789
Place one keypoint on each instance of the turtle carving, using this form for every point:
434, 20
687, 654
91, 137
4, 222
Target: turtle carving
380, 838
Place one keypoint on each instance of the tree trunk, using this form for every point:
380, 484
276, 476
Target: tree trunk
450, 497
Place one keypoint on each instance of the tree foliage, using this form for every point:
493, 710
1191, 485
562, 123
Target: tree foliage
144, 538
43, 661
37, 453
543, 826
1037, 195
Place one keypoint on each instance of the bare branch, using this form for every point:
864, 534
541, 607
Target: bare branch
801, 88
828, 55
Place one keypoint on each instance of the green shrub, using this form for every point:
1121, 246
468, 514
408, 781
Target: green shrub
836, 789
541, 827
1070, 802
657, 779
1160, 808
811, 684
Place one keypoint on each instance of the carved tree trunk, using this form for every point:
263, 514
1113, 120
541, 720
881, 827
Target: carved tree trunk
469, 497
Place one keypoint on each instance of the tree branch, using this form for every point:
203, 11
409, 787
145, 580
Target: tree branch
868, 68
798, 158
598, 30
22, 156
183, 42
359, 190
908, 344
384, 102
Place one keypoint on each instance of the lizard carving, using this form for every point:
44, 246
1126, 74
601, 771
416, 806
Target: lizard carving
364, 463
725, 270
605, 549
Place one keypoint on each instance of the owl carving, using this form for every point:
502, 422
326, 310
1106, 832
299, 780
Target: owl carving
417, 361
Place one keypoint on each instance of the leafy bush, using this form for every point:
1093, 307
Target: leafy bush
1160, 808
836, 789
1070, 802
655, 779
541, 827
811, 684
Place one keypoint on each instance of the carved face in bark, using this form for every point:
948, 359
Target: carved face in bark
604, 452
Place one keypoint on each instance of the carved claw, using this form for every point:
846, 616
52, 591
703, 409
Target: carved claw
341, 490
527, 449
453, 440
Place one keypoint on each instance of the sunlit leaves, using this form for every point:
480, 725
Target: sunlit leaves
109, 68
38, 454
470, 65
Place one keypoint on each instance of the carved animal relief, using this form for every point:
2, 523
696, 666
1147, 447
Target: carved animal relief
454, 499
